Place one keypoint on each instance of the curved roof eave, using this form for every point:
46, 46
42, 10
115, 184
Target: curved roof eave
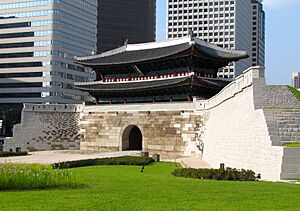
132, 54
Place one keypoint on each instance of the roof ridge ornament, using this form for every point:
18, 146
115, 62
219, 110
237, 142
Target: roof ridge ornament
126, 42
191, 34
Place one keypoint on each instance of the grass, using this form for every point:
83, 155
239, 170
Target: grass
34, 176
295, 92
293, 144
126, 188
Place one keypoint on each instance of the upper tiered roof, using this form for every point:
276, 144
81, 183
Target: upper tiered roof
187, 51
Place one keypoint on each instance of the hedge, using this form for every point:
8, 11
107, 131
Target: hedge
217, 174
11, 154
124, 160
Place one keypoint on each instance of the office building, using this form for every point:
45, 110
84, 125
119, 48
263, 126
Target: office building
227, 23
296, 80
39, 40
120, 20
258, 33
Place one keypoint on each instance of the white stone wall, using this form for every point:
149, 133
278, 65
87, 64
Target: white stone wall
236, 134
239, 133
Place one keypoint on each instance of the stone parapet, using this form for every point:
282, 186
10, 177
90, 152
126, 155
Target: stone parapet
243, 81
53, 107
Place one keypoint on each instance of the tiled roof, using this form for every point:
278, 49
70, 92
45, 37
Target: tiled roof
151, 51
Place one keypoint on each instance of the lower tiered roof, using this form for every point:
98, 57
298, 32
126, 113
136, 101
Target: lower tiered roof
189, 84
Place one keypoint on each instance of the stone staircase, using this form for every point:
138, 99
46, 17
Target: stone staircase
283, 125
290, 167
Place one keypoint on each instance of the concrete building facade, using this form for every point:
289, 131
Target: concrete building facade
120, 20
296, 80
38, 43
227, 23
258, 33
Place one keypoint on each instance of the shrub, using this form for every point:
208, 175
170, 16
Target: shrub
125, 160
11, 154
34, 176
217, 174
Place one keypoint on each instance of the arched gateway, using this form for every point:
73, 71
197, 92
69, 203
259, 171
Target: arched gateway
132, 138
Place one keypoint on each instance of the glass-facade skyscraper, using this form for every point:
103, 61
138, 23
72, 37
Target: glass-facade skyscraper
39, 40
120, 20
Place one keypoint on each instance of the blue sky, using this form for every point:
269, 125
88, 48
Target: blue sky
282, 37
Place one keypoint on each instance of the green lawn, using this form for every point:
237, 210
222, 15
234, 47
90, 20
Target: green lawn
293, 144
126, 188
295, 92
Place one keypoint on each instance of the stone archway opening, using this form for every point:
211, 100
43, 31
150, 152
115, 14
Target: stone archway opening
132, 138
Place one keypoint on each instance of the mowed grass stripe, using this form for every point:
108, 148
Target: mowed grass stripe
126, 188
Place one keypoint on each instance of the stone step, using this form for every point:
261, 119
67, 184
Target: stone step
276, 143
289, 176
285, 138
284, 133
295, 160
291, 168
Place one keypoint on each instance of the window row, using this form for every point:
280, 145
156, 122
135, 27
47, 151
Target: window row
205, 10
48, 12
14, 25
188, 3
46, 2
20, 95
205, 16
21, 64
21, 75
16, 35
78, 10
20, 85
64, 35
17, 45
210, 28
27, 4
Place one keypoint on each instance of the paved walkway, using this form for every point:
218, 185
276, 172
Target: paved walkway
49, 157
190, 162
194, 162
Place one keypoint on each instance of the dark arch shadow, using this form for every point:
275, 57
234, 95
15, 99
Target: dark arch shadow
132, 138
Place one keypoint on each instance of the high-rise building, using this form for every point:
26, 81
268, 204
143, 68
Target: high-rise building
38, 42
258, 33
120, 20
296, 80
227, 23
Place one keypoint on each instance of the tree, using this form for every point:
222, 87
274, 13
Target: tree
11, 115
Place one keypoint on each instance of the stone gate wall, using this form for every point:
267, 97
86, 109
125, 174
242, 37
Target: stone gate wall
164, 132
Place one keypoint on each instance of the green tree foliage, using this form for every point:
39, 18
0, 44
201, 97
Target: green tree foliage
11, 115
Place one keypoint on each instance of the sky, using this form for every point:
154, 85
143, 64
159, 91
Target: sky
282, 37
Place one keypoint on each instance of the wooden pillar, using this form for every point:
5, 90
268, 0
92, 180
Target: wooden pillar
171, 99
